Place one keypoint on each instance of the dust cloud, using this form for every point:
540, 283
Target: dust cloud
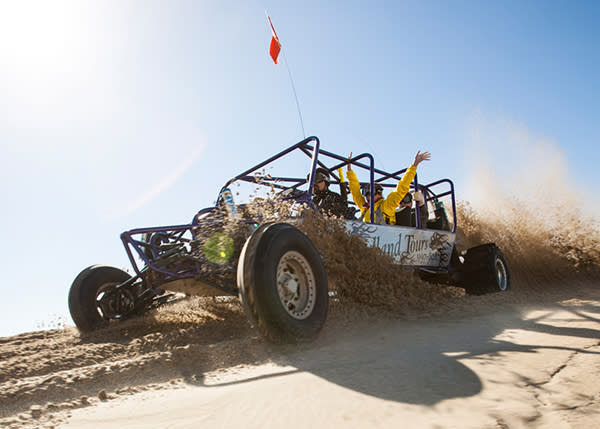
523, 197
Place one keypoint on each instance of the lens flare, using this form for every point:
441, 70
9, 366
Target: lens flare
219, 248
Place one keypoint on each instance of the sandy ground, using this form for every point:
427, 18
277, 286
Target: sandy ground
502, 360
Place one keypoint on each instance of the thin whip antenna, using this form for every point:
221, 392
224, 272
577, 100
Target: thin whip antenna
295, 95
289, 74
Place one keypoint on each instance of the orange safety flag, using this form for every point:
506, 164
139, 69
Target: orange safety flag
275, 47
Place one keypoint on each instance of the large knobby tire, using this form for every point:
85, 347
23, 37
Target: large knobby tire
86, 291
485, 270
282, 284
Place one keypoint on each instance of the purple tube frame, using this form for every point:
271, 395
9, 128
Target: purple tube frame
313, 151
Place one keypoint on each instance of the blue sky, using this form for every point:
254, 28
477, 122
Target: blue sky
123, 114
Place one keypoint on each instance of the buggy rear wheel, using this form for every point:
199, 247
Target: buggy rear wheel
501, 268
91, 302
485, 270
282, 284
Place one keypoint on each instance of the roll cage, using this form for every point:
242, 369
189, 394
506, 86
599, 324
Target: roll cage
161, 248
332, 162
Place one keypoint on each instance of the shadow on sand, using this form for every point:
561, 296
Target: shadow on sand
418, 362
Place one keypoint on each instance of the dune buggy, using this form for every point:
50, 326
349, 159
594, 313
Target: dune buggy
272, 266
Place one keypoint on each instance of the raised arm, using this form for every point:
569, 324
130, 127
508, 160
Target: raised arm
354, 186
394, 197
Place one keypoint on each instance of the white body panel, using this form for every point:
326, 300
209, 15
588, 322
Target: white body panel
408, 246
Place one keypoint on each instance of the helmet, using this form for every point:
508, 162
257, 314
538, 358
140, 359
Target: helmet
366, 189
322, 174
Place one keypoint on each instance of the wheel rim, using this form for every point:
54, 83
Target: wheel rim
296, 285
501, 276
113, 305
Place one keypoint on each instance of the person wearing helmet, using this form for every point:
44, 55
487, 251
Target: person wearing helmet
326, 200
403, 211
385, 208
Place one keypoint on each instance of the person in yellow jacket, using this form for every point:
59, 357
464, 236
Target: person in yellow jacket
385, 208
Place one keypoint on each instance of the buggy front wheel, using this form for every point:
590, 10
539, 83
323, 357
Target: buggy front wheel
282, 283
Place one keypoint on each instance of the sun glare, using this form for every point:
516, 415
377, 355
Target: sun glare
57, 61
47, 48
37, 35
